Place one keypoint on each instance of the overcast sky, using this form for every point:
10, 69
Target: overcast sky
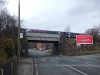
56, 15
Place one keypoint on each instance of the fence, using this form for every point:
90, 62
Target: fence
9, 68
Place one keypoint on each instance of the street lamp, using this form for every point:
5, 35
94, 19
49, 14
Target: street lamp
18, 30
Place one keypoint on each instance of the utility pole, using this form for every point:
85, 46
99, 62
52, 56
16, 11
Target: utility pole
18, 30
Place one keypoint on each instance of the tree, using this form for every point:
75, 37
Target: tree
65, 40
8, 32
67, 29
95, 31
2, 4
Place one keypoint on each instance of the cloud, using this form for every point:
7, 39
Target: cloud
58, 14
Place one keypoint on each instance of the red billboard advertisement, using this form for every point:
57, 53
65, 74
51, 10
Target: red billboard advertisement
84, 39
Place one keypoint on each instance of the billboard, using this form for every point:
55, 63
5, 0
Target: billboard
84, 39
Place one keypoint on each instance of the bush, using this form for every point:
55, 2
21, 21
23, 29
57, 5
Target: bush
3, 56
9, 47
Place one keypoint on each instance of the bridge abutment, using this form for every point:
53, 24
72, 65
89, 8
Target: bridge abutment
56, 50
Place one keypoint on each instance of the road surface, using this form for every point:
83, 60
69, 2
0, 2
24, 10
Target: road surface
66, 65
37, 53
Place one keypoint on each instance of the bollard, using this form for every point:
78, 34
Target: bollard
1, 71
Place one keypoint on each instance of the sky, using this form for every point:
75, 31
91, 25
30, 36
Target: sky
57, 15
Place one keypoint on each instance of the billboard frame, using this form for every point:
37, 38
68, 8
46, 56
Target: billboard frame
84, 43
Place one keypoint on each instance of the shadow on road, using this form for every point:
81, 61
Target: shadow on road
39, 54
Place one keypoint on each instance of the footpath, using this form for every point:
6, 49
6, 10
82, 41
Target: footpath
25, 66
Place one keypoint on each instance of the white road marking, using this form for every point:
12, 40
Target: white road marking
58, 58
76, 70
90, 58
85, 65
36, 67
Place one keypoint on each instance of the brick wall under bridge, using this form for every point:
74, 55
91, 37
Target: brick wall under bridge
54, 45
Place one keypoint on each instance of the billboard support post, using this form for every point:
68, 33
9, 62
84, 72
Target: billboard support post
77, 45
77, 48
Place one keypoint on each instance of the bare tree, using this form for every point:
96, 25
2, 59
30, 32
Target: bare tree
65, 40
67, 29
95, 31
8, 31
2, 4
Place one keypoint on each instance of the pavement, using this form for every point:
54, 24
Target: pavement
25, 66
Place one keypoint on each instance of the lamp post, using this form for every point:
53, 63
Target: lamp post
18, 30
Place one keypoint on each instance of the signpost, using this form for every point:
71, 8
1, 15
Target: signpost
83, 39
21, 35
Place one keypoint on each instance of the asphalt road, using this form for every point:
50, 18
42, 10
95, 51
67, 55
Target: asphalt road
37, 53
66, 65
